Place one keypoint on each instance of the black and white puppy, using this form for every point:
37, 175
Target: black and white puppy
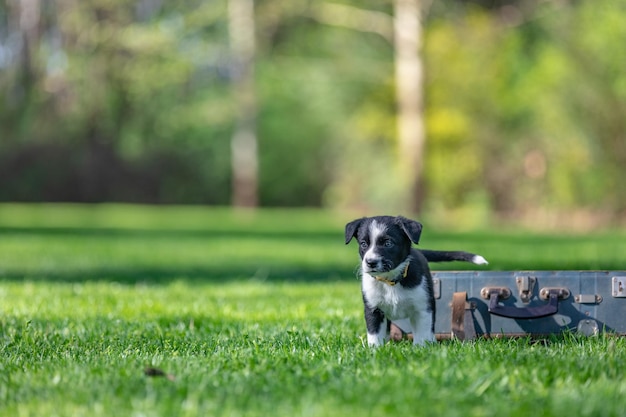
396, 280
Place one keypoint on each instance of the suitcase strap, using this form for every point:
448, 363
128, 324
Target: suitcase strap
462, 319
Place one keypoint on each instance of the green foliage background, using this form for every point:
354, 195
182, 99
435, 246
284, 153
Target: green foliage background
120, 100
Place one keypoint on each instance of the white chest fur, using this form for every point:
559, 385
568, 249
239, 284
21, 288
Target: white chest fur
397, 302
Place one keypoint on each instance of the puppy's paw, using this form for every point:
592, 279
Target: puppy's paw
375, 340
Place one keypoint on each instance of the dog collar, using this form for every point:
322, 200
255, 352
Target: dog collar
390, 282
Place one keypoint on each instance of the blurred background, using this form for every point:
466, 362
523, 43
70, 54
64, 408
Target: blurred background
466, 112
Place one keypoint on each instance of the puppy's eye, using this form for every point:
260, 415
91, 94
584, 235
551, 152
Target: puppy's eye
363, 245
387, 243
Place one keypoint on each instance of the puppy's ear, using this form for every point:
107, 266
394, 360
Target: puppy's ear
412, 228
351, 229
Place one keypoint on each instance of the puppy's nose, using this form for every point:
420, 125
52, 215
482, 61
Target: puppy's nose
371, 263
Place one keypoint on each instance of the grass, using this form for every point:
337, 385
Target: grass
260, 314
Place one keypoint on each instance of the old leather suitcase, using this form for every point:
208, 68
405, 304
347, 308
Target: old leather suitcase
474, 304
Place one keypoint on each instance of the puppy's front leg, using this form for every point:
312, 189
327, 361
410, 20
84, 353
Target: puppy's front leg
376, 323
422, 325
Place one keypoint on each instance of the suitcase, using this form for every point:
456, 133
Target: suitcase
474, 304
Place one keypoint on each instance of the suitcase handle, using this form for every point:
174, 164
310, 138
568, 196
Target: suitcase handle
548, 309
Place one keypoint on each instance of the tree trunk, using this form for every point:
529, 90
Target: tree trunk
244, 149
409, 97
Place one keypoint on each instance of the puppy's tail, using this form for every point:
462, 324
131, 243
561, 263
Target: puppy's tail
449, 256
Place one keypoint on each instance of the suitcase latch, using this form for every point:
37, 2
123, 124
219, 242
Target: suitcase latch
619, 287
588, 298
500, 292
561, 292
525, 287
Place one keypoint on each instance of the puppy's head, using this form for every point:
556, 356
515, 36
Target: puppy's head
384, 241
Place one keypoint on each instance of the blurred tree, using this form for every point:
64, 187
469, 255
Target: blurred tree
409, 95
516, 110
22, 34
108, 76
135, 100
244, 149
403, 31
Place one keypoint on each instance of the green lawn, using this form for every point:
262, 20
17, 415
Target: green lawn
259, 315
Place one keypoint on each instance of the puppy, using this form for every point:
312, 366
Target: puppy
396, 280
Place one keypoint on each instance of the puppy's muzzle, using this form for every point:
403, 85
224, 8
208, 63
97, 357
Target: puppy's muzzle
376, 265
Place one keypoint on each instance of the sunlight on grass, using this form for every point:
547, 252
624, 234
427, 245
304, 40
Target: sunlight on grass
260, 317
